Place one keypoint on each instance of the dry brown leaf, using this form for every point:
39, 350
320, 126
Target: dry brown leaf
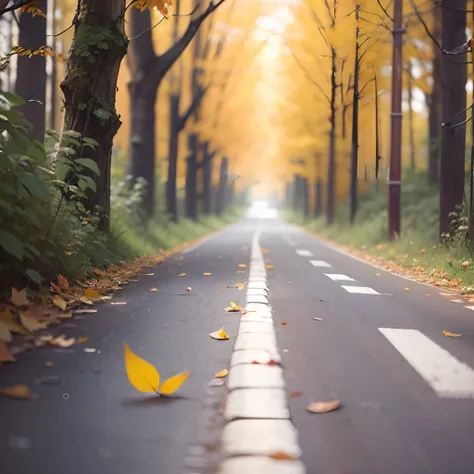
282, 456
7, 318
240, 286
30, 323
323, 407
284, 323
5, 334
63, 282
55, 287
189, 288
17, 391
85, 311
450, 334
377, 274
221, 374
61, 341
19, 298
59, 302
317, 319
220, 335
99, 272
91, 293
206, 274
154, 289
182, 274
5, 354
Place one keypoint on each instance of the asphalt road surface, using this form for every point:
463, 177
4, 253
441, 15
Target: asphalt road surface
407, 391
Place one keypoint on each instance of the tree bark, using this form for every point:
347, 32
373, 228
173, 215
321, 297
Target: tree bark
222, 190
207, 179
305, 190
453, 139
31, 72
90, 86
411, 128
331, 181
171, 197
191, 180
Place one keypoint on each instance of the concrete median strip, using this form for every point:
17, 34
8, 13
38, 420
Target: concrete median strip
256, 410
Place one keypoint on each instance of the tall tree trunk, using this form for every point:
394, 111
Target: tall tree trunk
90, 88
207, 179
411, 122
435, 101
191, 188
171, 197
453, 142
305, 190
318, 196
222, 190
331, 181
31, 72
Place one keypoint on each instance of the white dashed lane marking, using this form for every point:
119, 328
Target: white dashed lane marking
338, 277
360, 290
445, 374
320, 263
304, 253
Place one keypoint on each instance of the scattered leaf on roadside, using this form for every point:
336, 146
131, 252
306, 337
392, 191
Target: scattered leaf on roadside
289, 282
100, 272
323, 407
295, 394
31, 323
91, 293
317, 319
240, 286
5, 354
206, 274
377, 274
59, 302
173, 383
18, 298
86, 300
269, 266
154, 289
7, 318
141, 374
17, 391
450, 334
242, 265
235, 306
63, 282
406, 289
49, 363
221, 374
5, 334
189, 288
282, 456
85, 311
219, 335
273, 363
284, 323
81, 340
182, 274
115, 303
465, 264
61, 341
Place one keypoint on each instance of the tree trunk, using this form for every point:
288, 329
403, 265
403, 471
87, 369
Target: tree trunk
454, 101
435, 101
331, 181
31, 72
90, 88
171, 197
207, 179
191, 181
222, 190
305, 190
411, 128
318, 195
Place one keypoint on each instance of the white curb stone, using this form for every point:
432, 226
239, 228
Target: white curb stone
256, 328
253, 355
255, 376
257, 285
257, 403
256, 292
260, 465
265, 342
257, 299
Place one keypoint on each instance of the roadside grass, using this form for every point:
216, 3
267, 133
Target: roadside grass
418, 250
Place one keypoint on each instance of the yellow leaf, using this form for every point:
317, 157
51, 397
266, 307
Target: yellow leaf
242, 265
61, 341
282, 456
422, 251
219, 335
142, 375
91, 293
7, 318
270, 267
30, 323
182, 274
206, 274
240, 286
81, 340
17, 391
173, 383
221, 374
63, 282
235, 307
18, 298
189, 288
154, 289
5, 334
59, 302
407, 289
5, 355
323, 407
86, 300
450, 334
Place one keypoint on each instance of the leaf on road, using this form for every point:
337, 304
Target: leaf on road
141, 374
61, 341
219, 335
154, 289
116, 303
406, 289
189, 288
18, 298
59, 302
284, 323
7, 318
63, 282
182, 274
295, 394
242, 265
221, 374
450, 334
235, 306
206, 274
282, 456
86, 300
18, 391
81, 340
91, 293
31, 323
317, 319
5, 334
289, 282
269, 266
5, 354
240, 286
172, 384
323, 407
85, 311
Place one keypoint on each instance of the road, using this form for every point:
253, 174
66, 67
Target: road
407, 391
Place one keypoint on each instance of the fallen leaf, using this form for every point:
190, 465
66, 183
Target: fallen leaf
282, 456
7, 318
154, 289
219, 335
55, 287
221, 374
99, 272
17, 391
67, 315
242, 265
63, 282
240, 286
406, 289
86, 300
422, 251
182, 274
273, 363
465, 264
81, 340
289, 282
317, 319
91, 293
5, 334
323, 407
141, 374
49, 363
61, 341
189, 288
85, 311
59, 302
115, 303
270, 267
173, 383
206, 274
450, 334
5, 355
377, 274
283, 323
295, 394
30, 323
67, 253
18, 298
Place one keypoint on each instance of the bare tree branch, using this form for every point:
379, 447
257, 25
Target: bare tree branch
4, 9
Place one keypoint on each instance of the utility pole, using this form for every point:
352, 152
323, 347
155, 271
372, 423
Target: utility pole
395, 177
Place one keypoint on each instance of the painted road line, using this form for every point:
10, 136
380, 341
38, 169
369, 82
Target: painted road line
320, 263
304, 253
338, 277
445, 374
256, 410
360, 290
